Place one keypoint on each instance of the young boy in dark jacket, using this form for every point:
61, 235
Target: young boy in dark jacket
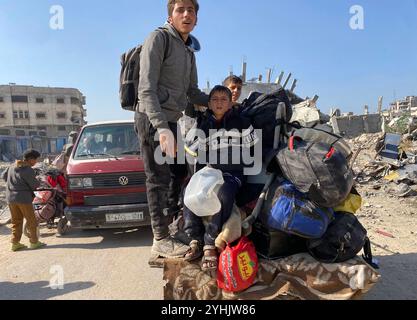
21, 182
220, 122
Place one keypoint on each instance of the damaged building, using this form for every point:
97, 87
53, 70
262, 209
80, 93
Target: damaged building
38, 117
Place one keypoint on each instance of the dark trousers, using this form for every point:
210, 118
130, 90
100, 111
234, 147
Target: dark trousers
193, 224
163, 182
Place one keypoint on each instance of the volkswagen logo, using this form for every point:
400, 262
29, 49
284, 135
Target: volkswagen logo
123, 181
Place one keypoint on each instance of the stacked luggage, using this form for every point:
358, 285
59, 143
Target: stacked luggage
308, 202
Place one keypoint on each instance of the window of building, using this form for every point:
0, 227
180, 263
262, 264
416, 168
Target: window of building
62, 128
2, 115
42, 128
33, 133
61, 115
40, 100
40, 115
15, 115
1, 99
26, 114
20, 132
60, 100
75, 100
21, 114
4, 132
42, 134
23, 99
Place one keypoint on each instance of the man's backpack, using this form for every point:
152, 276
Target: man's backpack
344, 239
129, 75
317, 163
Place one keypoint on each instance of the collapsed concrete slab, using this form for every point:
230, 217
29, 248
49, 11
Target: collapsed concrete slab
354, 126
307, 114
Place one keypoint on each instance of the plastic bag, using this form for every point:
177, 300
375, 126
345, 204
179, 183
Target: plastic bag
238, 266
201, 193
352, 204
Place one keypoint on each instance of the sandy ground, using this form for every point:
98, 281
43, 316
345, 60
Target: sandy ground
104, 264
112, 264
398, 255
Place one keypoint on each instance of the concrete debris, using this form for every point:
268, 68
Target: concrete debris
404, 190
307, 114
377, 168
403, 124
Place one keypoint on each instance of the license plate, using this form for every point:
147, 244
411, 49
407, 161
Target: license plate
123, 217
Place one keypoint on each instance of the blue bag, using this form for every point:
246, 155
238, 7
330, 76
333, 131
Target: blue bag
292, 212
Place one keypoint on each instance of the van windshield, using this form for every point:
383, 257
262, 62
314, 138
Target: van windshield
107, 141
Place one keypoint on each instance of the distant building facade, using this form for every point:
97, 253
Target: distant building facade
407, 104
41, 114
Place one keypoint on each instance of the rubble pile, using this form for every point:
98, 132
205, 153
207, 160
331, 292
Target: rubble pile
382, 165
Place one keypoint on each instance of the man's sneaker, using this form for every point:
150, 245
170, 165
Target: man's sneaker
18, 246
169, 248
37, 245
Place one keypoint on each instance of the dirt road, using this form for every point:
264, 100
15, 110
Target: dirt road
113, 264
391, 223
104, 264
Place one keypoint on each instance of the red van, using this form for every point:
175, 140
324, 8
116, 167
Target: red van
106, 178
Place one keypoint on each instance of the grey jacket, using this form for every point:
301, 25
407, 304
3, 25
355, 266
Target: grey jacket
20, 183
165, 85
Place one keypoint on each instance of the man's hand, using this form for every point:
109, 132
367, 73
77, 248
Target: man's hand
167, 142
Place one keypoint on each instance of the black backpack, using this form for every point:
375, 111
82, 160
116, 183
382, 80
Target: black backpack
261, 110
344, 239
129, 74
317, 163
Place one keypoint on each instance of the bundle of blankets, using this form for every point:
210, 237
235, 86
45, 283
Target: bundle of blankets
298, 277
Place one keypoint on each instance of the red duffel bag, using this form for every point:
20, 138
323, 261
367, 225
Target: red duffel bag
238, 266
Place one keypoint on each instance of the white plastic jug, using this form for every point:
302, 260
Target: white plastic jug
201, 193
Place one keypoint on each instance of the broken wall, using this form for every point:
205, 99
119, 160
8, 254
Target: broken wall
353, 126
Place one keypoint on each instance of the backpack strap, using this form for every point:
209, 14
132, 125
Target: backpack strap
280, 113
367, 256
167, 41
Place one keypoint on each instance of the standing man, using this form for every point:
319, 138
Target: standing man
168, 80
21, 182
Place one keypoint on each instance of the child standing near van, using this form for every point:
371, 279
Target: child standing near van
21, 182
